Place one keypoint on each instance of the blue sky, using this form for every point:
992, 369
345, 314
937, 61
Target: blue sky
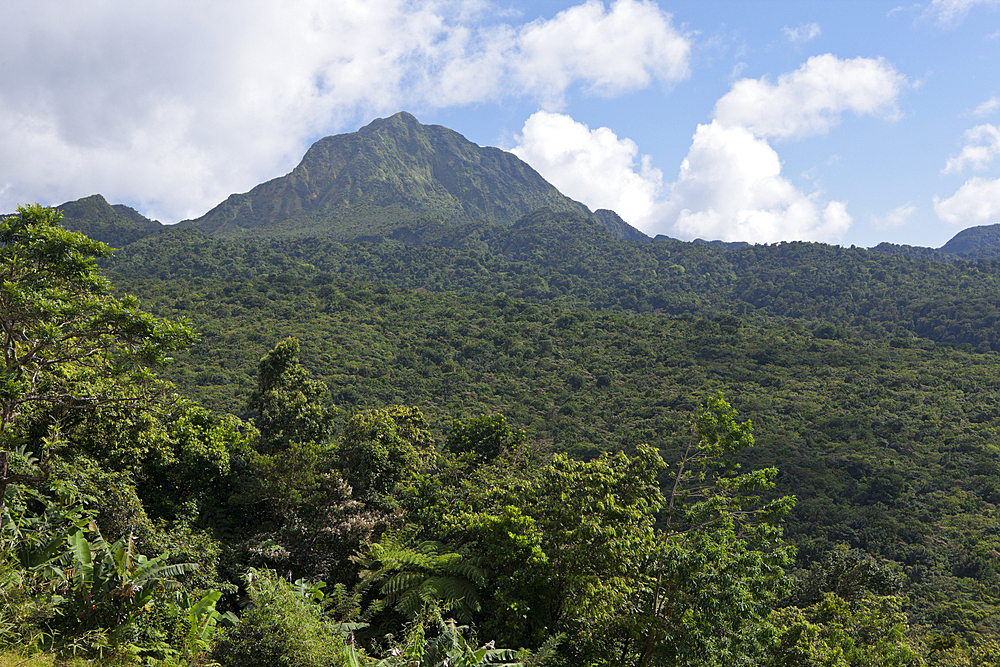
843, 121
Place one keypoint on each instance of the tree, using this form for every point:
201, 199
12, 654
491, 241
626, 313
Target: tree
565, 544
287, 404
68, 343
380, 449
719, 564
483, 438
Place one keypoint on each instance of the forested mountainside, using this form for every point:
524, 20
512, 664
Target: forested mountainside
561, 258
819, 346
376, 423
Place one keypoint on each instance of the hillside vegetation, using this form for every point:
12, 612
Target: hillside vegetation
355, 418
876, 430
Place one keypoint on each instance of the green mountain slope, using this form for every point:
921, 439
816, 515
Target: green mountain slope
560, 257
391, 174
974, 238
117, 225
870, 379
889, 448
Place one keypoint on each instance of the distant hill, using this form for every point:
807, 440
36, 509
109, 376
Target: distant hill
391, 174
117, 225
973, 239
969, 244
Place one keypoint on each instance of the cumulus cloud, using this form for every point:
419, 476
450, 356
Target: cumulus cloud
802, 34
614, 51
172, 106
730, 188
977, 202
981, 148
730, 184
811, 100
592, 166
897, 217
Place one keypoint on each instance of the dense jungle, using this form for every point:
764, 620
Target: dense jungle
543, 441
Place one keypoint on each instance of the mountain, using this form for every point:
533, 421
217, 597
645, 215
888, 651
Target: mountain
986, 237
394, 173
117, 225
973, 243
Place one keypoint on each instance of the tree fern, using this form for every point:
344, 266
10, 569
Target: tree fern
412, 575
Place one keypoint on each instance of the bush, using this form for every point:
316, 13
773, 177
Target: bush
286, 626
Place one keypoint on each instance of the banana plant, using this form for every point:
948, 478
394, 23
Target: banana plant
110, 584
202, 620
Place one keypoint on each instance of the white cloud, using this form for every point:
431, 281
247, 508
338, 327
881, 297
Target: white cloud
592, 166
802, 34
730, 184
171, 106
977, 202
730, 188
614, 51
897, 217
811, 99
987, 107
950, 12
981, 148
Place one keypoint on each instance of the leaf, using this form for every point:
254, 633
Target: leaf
351, 655
81, 551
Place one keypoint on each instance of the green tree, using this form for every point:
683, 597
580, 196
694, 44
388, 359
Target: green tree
719, 562
287, 405
68, 343
283, 624
380, 449
483, 438
565, 544
833, 632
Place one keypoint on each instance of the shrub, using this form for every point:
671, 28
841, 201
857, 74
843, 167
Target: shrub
285, 627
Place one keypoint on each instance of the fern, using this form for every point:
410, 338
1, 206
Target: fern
412, 575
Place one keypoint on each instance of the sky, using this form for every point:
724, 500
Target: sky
842, 121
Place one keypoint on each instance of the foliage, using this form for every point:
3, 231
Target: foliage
719, 565
60, 322
565, 543
282, 627
837, 633
484, 438
287, 404
886, 438
108, 586
380, 449
447, 645
888, 443
847, 573
410, 576
202, 622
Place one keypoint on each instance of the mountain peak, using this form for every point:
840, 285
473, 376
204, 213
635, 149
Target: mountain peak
393, 172
400, 118
117, 225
